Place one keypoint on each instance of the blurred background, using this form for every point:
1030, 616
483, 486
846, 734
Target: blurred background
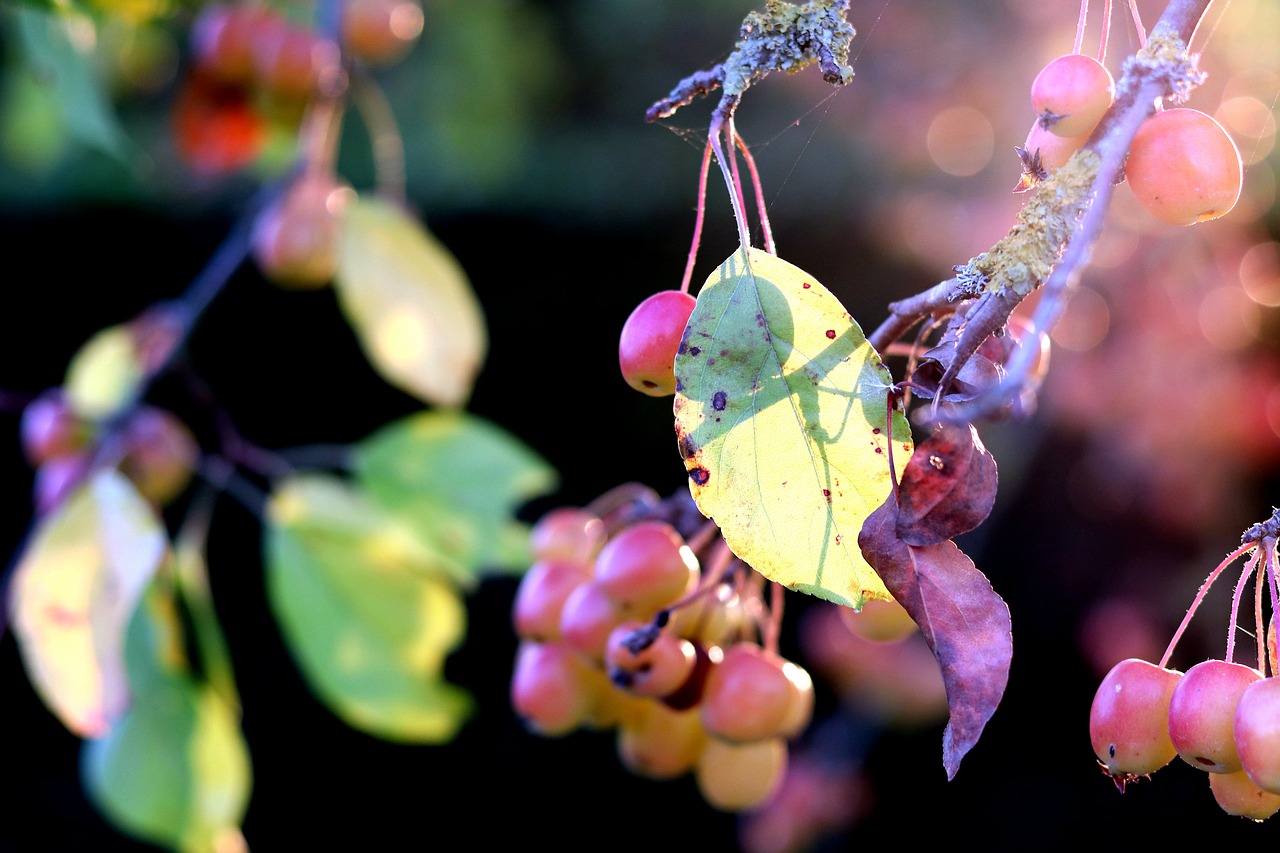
1156, 441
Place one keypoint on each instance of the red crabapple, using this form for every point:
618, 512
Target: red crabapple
160, 454
1071, 94
1129, 718
588, 617
552, 688
1183, 167
568, 533
1054, 150
1202, 714
647, 660
749, 695
295, 239
1237, 795
1257, 733
380, 31
645, 567
292, 61
649, 340
541, 595
222, 39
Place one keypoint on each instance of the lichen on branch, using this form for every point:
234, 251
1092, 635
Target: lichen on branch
783, 37
1023, 258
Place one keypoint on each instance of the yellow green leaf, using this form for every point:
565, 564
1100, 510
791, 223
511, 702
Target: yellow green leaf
459, 480
174, 770
781, 414
105, 374
365, 609
410, 303
73, 591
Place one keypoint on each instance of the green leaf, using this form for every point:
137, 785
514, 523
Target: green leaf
780, 413
410, 304
458, 480
364, 609
174, 770
73, 590
59, 48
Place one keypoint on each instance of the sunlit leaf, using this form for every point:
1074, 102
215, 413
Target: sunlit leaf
780, 412
458, 480
410, 304
72, 593
365, 610
104, 375
964, 620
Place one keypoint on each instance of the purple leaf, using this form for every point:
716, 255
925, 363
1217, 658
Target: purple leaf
964, 621
947, 488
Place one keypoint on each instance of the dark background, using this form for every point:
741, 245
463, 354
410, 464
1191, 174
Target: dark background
562, 234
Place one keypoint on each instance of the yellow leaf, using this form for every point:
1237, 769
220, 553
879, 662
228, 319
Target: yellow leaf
410, 304
781, 413
72, 594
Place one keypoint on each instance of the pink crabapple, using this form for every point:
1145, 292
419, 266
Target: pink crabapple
1129, 718
1184, 168
1202, 714
1071, 94
649, 340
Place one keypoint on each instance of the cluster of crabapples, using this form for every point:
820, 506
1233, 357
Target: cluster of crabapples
1182, 166
251, 63
1218, 716
151, 446
249, 60
621, 628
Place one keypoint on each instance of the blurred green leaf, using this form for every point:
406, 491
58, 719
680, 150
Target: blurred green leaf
459, 480
366, 610
59, 48
73, 591
174, 770
410, 304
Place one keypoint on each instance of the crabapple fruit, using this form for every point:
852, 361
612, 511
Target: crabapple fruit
541, 595
880, 621
1071, 94
1184, 168
749, 696
295, 239
1257, 733
645, 567
1129, 718
649, 340
551, 688
569, 533
647, 660
661, 743
380, 31
1238, 795
738, 776
1202, 712
588, 617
